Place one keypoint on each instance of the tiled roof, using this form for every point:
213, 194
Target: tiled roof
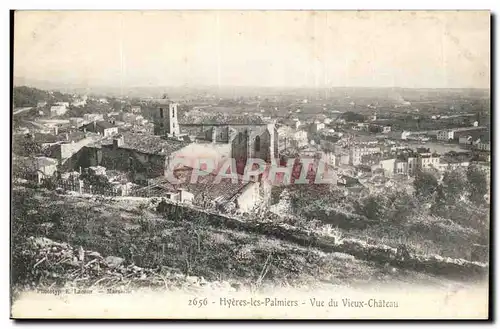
204, 186
220, 118
38, 162
72, 136
146, 143
45, 138
105, 124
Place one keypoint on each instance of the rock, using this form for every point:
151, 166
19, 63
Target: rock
236, 286
136, 268
113, 261
192, 279
42, 242
93, 254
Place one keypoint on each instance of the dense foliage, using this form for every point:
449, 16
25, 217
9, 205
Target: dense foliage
27, 96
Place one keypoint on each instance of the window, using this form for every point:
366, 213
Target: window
173, 113
161, 113
257, 144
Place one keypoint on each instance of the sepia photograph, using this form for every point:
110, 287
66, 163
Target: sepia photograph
250, 164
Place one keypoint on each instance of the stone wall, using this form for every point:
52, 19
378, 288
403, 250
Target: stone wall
380, 254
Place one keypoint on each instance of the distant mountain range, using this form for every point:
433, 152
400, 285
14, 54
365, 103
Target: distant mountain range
229, 91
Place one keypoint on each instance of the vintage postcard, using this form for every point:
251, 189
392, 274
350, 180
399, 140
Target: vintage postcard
251, 164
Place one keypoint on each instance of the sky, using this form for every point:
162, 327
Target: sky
255, 48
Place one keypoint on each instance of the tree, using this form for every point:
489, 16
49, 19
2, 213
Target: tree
478, 184
425, 184
100, 183
373, 207
454, 184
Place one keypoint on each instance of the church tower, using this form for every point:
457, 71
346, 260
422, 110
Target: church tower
166, 123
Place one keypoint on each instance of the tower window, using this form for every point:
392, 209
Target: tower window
257, 144
173, 113
161, 113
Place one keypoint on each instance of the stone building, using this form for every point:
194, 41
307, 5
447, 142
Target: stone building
259, 142
165, 118
103, 128
142, 156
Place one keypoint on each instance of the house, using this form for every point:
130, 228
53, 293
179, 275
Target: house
142, 156
356, 153
317, 126
465, 140
35, 169
93, 117
453, 161
455, 133
484, 145
388, 166
445, 135
103, 128
68, 144
76, 121
343, 159
135, 109
329, 158
181, 196
44, 140
58, 110
301, 137
405, 135
227, 196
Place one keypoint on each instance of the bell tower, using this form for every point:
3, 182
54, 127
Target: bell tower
166, 123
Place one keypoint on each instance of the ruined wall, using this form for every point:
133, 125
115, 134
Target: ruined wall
240, 150
248, 198
140, 165
261, 146
380, 253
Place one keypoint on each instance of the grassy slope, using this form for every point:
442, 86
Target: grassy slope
129, 230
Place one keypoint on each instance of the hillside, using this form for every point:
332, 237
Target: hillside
192, 244
27, 96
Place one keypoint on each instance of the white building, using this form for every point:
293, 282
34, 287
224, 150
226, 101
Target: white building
58, 110
317, 126
445, 135
405, 134
79, 103
356, 153
93, 117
